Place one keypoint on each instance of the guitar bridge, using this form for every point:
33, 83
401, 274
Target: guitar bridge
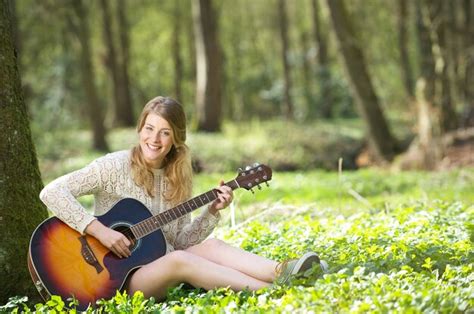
89, 255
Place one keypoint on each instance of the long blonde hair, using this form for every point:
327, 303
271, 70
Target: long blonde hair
177, 164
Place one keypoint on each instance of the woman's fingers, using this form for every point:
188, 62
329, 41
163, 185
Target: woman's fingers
119, 244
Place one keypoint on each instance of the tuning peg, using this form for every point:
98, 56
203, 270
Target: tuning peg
240, 169
259, 187
248, 168
252, 191
267, 184
256, 164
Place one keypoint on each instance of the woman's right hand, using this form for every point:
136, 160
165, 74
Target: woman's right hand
111, 239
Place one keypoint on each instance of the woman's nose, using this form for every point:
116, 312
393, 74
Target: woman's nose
157, 137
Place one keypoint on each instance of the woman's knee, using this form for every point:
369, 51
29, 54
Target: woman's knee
178, 258
213, 244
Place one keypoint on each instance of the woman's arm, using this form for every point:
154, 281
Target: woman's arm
192, 233
60, 196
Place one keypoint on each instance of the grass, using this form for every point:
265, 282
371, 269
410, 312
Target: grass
395, 241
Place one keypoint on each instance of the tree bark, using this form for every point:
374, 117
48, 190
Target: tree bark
111, 62
407, 74
468, 119
127, 116
20, 180
94, 107
208, 66
380, 138
324, 74
307, 75
439, 15
287, 104
425, 151
177, 60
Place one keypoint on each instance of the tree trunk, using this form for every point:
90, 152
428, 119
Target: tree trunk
208, 66
324, 74
468, 116
20, 179
425, 151
127, 116
380, 138
439, 15
427, 60
403, 48
177, 60
88, 78
454, 48
307, 74
111, 62
287, 104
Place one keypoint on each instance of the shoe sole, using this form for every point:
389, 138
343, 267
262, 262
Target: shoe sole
305, 262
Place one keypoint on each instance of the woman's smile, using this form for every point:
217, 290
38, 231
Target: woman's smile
156, 140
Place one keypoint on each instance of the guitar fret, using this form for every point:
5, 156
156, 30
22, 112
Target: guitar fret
160, 219
149, 226
142, 230
175, 215
145, 228
137, 231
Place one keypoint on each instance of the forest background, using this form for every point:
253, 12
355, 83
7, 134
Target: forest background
300, 85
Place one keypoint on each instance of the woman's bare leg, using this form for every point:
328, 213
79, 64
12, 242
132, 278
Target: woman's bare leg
156, 277
224, 254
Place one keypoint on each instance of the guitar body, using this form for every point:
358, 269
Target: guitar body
65, 263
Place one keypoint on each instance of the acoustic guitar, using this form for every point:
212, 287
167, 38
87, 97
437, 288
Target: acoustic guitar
64, 262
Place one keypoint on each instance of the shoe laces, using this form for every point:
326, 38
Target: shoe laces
281, 266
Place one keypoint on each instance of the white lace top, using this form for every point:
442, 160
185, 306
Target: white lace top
109, 179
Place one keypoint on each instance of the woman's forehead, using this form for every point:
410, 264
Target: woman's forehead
157, 121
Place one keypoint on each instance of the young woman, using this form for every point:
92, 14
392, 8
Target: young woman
157, 172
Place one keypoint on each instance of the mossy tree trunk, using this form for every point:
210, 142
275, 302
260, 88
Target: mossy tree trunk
20, 181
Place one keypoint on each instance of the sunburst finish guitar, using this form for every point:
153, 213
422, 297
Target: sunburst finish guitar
63, 262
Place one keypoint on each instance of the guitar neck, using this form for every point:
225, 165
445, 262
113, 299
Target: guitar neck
154, 223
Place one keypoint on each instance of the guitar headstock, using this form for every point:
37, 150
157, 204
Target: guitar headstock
253, 176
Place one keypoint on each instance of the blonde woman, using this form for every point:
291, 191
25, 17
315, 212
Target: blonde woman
157, 172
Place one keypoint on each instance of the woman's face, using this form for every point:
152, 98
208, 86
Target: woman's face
156, 140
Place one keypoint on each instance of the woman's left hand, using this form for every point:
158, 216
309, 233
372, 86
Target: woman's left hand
225, 196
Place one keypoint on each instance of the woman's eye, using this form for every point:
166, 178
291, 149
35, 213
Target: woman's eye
149, 128
165, 133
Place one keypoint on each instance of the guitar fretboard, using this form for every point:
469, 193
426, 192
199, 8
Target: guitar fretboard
154, 223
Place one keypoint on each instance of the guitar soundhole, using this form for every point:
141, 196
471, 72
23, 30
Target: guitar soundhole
125, 230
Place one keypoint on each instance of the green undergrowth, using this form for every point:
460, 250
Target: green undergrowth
398, 242
285, 145
413, 258
348, 192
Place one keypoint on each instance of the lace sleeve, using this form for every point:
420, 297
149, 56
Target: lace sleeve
60, 196
192, 233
